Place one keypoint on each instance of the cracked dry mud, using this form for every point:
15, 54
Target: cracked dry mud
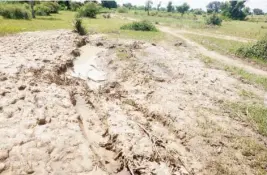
158, 111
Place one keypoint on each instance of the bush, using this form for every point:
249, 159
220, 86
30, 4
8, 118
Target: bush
214, 20
122, 10
15, 11
140, 26
41, 10
53, 6
258, 50
89, 10
78, 26
74, 6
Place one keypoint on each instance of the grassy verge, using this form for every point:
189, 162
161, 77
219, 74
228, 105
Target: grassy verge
62, 20
219, 45
251, 78
244, 29
255, 114
254, 151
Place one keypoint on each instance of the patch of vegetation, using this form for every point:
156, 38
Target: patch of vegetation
15, 11
219, 45
78, 26
41, 10
214, 20
253, 113
53, 6
255, 152
122, 10
252, 78
257, 50
140, 26
89, 10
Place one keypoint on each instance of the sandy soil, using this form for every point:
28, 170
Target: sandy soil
156, 111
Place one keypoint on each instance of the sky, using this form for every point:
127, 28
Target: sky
262, 4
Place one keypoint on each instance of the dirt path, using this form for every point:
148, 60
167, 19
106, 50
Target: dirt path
212, 54
219, 36
158, 109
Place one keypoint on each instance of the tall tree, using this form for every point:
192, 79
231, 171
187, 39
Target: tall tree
148, 6
183, 8
257, 11
128, 5
109, 4
214, 6
158, 6
169, 7
234, 10
32, 8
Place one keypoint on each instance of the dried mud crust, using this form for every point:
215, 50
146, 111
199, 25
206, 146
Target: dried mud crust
158, 112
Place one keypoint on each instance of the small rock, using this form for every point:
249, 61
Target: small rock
112, 46
181, 135
29, 171
3, 78
3, 155
153, 44
2, 167
99, 44
178, 43
22, 87
76, 52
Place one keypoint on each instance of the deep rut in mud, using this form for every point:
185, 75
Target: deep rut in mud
126, 108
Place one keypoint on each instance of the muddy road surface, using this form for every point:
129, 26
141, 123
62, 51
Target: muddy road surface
92, 105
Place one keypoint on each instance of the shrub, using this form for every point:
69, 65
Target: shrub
122, 10
78, 26
15, 11
53, 6
257, 50
89, 10
41, 10
74, 6
214, 20
140, 26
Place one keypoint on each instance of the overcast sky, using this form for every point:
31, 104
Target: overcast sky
262, 4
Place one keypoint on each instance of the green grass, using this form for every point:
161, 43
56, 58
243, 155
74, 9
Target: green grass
219, 45
253, 113
63, 20
245, 29
255, 152
252, 78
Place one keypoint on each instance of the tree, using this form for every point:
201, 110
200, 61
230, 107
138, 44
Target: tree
214, 6
158, 6
148, 6
128, 5
258, 11
247, 11
32, 8
109, 4
169, 7
198, 11
234, 10
183, 8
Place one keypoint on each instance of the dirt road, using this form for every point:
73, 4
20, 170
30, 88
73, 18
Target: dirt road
155, 109
215, 55
219, 36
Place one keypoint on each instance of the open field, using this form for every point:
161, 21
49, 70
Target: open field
127, 102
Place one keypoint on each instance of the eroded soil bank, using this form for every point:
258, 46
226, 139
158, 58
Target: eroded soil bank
131, 108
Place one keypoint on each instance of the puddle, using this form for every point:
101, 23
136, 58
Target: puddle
86, 67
